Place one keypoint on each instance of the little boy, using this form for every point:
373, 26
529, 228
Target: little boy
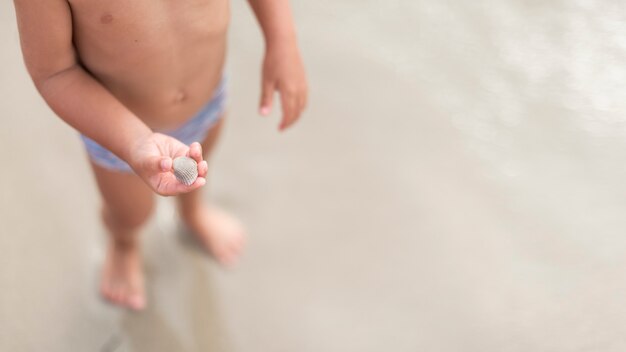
142, 82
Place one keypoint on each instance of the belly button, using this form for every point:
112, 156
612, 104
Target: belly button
180, 97
106, 18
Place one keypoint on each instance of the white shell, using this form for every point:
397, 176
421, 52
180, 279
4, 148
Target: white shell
185, 170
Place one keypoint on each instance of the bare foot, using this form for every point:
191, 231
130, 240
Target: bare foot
122, 276
220, 233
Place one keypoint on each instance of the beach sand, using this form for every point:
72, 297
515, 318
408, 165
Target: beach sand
457, 184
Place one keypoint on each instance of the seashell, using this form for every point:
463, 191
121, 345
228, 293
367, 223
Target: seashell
185, 170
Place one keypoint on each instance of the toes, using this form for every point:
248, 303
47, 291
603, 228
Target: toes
121, 294
106, 292
224, 255
125, 298
117, 294
232, 249
130, 298
230, 254
233, 257
136, 301
240, 240
227, 259
236, 247
220, 234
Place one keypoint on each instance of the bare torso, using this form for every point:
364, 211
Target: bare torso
161, 58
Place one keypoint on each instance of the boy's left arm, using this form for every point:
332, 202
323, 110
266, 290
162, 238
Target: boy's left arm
283, 70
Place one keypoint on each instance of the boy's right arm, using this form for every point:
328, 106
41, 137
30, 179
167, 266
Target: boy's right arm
46, 36
45, 28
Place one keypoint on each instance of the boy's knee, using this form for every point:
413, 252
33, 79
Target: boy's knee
125, 220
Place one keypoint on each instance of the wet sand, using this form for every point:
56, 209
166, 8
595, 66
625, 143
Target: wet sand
456, 185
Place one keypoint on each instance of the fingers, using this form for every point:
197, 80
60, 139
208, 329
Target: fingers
267, 97
195, 152
170, 186
293, 98
157, 164
166, 164
182, 188
203, 168
293, 102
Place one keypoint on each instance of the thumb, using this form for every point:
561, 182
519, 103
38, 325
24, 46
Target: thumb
267, 98
159, 163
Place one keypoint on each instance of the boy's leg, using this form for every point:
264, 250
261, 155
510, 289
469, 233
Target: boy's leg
220, 233
127, 204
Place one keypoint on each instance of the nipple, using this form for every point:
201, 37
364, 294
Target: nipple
106, 18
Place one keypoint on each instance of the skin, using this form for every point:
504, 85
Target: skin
117, 71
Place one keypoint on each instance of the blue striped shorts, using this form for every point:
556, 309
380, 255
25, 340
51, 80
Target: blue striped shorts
194, 130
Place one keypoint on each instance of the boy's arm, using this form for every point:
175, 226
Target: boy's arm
46, 36
283, 70
45, 28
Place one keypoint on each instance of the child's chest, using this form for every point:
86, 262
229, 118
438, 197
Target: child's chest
148, 18
131, 33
